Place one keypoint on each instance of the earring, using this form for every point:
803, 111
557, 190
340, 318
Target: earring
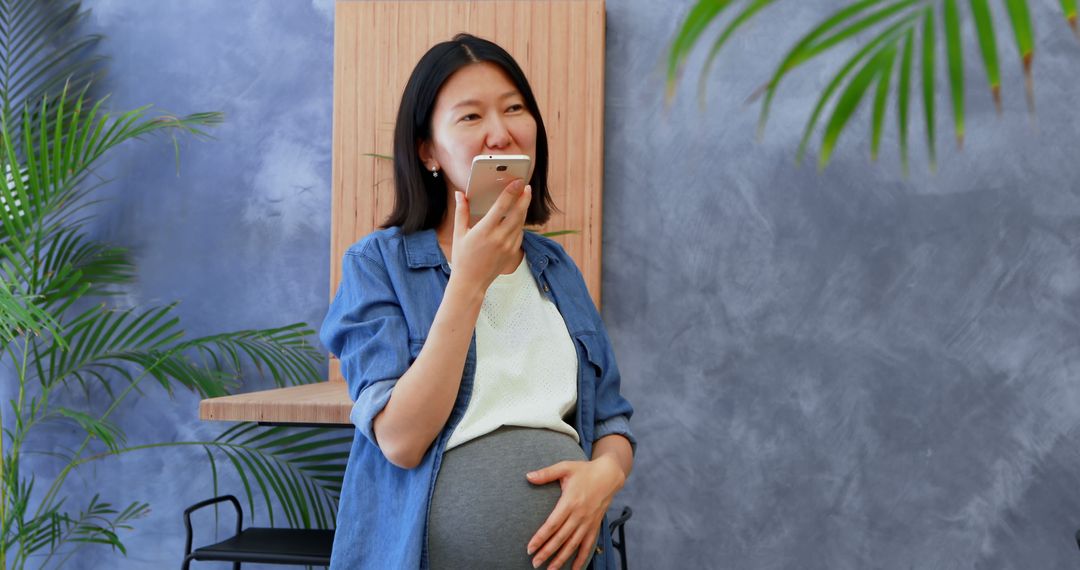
434, 171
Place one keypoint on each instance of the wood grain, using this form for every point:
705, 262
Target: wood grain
319, 403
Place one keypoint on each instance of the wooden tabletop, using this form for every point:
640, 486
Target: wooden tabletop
319, 403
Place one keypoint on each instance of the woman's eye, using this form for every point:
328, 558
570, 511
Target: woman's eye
470, 117
516, 107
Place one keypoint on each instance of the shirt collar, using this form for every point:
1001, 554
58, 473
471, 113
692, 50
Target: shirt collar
422, 250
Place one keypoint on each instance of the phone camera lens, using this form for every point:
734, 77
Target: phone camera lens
501, 168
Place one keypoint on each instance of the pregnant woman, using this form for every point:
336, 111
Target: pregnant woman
490, 431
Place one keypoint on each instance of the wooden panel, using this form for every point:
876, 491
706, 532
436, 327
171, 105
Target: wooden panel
559, 44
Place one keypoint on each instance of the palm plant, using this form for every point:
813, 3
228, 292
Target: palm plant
55, 339
897, 32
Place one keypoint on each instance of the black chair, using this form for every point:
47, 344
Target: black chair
618, 525
304, 546
309, 547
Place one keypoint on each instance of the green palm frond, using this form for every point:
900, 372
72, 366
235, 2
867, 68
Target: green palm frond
984, 29
1069, 8
99, 337
955, 56
99, 523
884, 33
19, 315
873, 70
100, 341
903, 96
43, 53
102, 430
1024, 34
872, 48
283, 352
928, 75
300, 468
37, 532
54, 159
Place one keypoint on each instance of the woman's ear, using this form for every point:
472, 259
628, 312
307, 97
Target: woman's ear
423, 150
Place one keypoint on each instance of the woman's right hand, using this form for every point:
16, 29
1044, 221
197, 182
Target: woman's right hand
481, 252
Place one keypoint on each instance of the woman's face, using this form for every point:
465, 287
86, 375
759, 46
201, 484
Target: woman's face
479, 110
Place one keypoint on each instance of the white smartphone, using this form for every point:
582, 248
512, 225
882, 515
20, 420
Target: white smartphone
489, 176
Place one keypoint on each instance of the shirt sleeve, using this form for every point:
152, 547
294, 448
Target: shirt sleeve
366, 329
619, 424
613, 411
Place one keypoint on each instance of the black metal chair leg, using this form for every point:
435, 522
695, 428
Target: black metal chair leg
619, 526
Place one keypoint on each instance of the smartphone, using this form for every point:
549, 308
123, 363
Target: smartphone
489, 176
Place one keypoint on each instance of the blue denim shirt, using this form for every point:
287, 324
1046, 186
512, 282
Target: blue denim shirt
391, 287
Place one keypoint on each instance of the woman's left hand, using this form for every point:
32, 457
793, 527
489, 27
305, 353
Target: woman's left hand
587, 489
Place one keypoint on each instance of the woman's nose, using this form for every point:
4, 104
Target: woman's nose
498, 135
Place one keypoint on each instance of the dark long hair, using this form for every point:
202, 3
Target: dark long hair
419, 198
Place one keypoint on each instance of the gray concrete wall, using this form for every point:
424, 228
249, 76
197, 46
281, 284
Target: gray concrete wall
843, 370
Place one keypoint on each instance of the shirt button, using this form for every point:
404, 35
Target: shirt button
546, 288
599, 549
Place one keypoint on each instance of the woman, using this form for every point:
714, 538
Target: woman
490, 428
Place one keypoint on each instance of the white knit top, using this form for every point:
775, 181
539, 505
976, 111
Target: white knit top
526, 363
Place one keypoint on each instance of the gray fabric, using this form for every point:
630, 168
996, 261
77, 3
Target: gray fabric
484, 511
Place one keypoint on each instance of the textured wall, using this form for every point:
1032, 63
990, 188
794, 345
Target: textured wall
838, 370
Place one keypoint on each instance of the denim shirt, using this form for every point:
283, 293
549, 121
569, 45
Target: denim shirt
391, 287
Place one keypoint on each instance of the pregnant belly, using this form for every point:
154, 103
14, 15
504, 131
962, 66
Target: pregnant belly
484, 511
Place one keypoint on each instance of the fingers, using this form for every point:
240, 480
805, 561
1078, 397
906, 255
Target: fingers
461, 215
540, 539
569, 547
548, 474
504, 203
565, 542
520, 211
583, 551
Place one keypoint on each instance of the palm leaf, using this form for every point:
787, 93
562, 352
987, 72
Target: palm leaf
98, 524
955, 53
741, 19
283, 352
928, 92
823, 37
1069, 8
97, 428
553, 233
43, 52
701, 16
297, 471
18, 315
881, 99
1024, 34
903, 96
889, 35
57, 157
850, 98
100, 335
865, 22
984, 27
